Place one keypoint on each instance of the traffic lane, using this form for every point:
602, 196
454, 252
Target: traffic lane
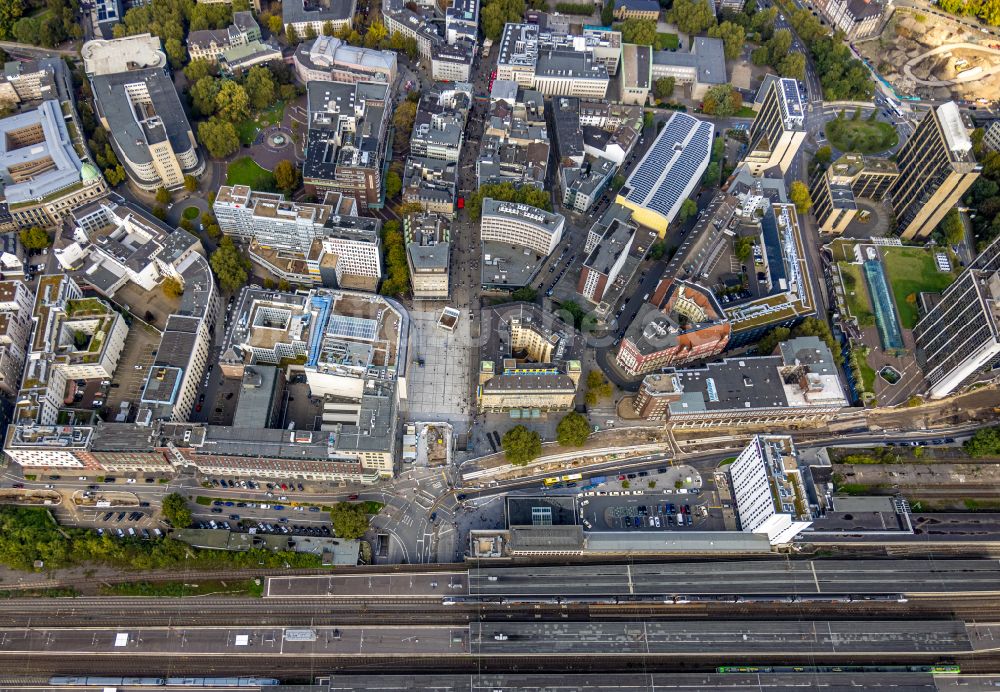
415, 585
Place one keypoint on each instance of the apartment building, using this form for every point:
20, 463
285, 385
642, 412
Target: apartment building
936, 167
557, 64
768, 489
450, 54
328, 59
137, 104
43, 178
778, 129
73, 338
302, 15
536, 370
347, 140
614, 249
682, 323
836, 190
959, 337
326, 244
800, 387
16, 303
439, 125
428, 254
857, 19
209, 44
35, 80
582, 186
668, 172
431, 184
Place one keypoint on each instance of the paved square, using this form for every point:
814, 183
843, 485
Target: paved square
439, 390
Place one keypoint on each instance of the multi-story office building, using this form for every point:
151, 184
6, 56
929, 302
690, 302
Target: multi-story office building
959, 337
43, 178
834, 191
35, 80
768, 489
991, 137
521, 224
799, 388
637, 74
439, 125
582, 186
304, 242
702, 67
778, 129
138, 105
73, 338
936, 167
16, 304
302, 15
684, 322
451, 54
428, 254
328, 59
668, 172
556, 64
857, 19
347, 140
536, 369
355, 348
209, 44
615, 248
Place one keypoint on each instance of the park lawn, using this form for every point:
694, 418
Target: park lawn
862, 136
912, 270
666, 41
248, 129
867, 374
245, 171
856, 294
843, 250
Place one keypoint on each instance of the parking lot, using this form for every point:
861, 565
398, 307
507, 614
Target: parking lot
651, 511
133, 366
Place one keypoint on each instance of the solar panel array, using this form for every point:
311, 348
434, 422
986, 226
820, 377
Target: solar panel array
662, 177
352, 327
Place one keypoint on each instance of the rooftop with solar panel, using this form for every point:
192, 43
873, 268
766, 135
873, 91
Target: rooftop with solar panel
669, 171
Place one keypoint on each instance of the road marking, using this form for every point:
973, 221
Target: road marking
631, 590
812, 566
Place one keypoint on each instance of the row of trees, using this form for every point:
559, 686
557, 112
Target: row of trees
520, 445
47, 25
495, 14
811, 326
843, 77
984, 195
777, 53
986, 10
506, 192
397, 271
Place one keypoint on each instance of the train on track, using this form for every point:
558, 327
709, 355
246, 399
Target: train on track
639, 599
938, 669
79, 681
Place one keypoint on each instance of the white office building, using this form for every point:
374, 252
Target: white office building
768, 489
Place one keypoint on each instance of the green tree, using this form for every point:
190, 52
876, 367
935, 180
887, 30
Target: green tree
793, 65
219, 137
397, 272
35, 238
823, 155
197, 69
163, 196
521, 445
232, 102
172, 287
114, 175
310, 32
291, 35
376, 34
952, 227
276, 26
598, 387
692, 16
176, 52
495, 14
779, 46
10, 12
799, 195
688, 210
573, 430
286, 176
403, 119
639, 31
985, 442
663, 88
608, 13
260, 88
722, 100
190, 183
175, 510
349, 520
203, 94
712, 173
770, 341
393, 185
742, 247
231, 267
733, 37
526, 294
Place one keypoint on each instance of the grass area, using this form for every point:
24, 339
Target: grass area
248, 129
177, 589
245, 171
912, 270
843, 250
862, 136
745, 112
867, 373
727, 461
191, 213
54, 592
857, 489
855, 291
666, 41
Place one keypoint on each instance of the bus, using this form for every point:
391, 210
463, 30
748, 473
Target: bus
549, 482
573, 477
